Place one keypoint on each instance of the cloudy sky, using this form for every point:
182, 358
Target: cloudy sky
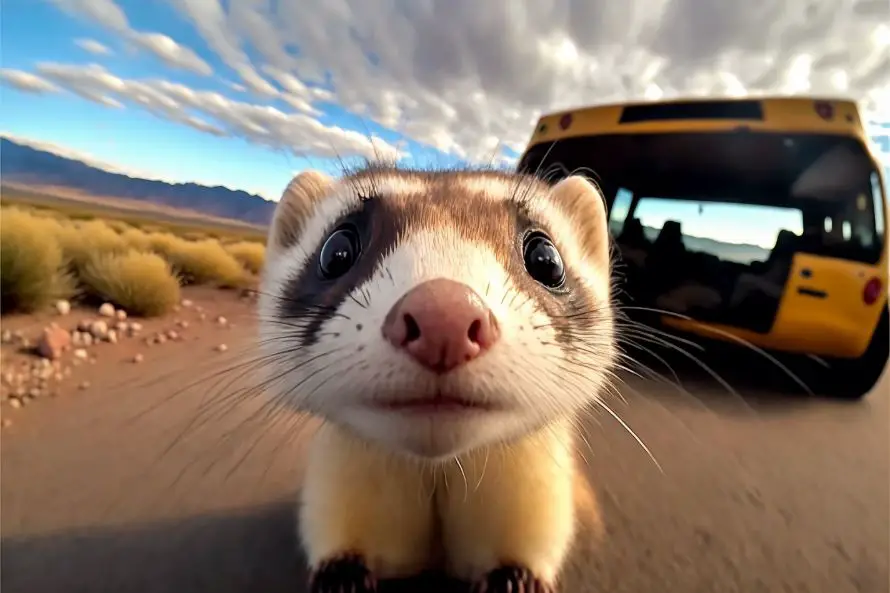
243, 93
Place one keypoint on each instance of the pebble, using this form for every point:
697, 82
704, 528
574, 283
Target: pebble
63, 307
173, 334
222, 348
111, 337
183, 324
138, 358
99, 329
187, 303
81, 354
120, 314
106, 310
222, 320
15, 403
84, 385
53, 341
6, 336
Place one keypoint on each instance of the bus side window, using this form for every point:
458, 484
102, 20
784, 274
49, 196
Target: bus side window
619, 211
877, 197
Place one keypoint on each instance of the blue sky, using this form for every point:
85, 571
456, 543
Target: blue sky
245, 94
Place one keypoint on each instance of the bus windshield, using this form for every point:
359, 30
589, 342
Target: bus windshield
707, 223
738, 188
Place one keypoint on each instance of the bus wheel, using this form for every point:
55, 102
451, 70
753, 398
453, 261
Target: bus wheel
853, 379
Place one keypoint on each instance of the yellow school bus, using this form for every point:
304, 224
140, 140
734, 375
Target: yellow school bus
746, 220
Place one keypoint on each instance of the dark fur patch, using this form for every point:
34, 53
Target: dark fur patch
382, 220
343, 573
511, 579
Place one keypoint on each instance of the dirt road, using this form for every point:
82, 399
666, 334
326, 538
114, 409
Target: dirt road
761, 495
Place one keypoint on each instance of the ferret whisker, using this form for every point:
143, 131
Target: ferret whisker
631, 432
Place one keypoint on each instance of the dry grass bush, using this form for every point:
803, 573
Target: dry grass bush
206, 262
249, 254
84, 240
140, 282
32, 265
137, 239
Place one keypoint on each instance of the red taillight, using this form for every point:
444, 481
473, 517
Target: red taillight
872, 291
824, 109
565, 121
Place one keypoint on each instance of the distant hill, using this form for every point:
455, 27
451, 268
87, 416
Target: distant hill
28, 166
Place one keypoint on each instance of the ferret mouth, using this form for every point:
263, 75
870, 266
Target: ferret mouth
438, 403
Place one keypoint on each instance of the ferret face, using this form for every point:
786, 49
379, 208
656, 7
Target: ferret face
436, 312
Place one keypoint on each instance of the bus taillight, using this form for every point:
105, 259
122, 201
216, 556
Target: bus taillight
872, 291
565, 121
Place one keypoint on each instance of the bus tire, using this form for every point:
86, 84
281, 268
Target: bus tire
853, 379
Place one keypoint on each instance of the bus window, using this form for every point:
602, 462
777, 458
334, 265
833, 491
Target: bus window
619, 210
742, 233
877, 197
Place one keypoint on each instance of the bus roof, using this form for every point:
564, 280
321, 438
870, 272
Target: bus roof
768, 114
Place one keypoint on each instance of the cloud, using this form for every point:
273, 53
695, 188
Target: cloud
471, 78
109, 15
466, 77
173, 54
25, 81
207, 111
92, 46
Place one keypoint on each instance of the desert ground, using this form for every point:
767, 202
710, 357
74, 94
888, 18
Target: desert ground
145, 462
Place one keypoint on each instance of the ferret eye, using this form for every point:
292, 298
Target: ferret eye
542, 261
339, 252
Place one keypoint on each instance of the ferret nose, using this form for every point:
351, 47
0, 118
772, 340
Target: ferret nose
442, 324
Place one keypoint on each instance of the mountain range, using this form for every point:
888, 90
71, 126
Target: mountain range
28, 166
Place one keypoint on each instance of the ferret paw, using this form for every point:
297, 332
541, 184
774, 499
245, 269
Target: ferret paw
511, 579
347, 573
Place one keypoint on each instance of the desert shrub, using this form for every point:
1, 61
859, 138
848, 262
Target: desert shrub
82, 241
140, 282
249, 254
205, 262
118, 226
164, 243
137, 239
32, 267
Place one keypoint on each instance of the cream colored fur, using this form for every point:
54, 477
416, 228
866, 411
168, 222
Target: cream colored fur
505, 504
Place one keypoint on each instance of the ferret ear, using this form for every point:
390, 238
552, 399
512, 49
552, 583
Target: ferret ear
296, 204
585, 206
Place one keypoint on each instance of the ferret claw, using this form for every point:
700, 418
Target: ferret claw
343, 574
511, 579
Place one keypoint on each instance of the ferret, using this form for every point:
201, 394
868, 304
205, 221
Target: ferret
448, 328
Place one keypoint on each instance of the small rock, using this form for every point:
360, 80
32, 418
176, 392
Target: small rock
99, 329
111, 336
34, 393
63, 307
76, 338
7, 423
106, 310
137, 358
84, 385
160, 339
53, 341
84, 325
81, 354
187, 303
173, 334
222, 320
15, 403
221, 348
120, 314
183, 324
202, 316
135, 327
87, 339
122, 327
6, 337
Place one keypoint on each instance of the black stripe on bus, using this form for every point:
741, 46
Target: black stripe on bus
738, 110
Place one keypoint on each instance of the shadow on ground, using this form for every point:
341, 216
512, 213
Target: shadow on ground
194, 555
727, 378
